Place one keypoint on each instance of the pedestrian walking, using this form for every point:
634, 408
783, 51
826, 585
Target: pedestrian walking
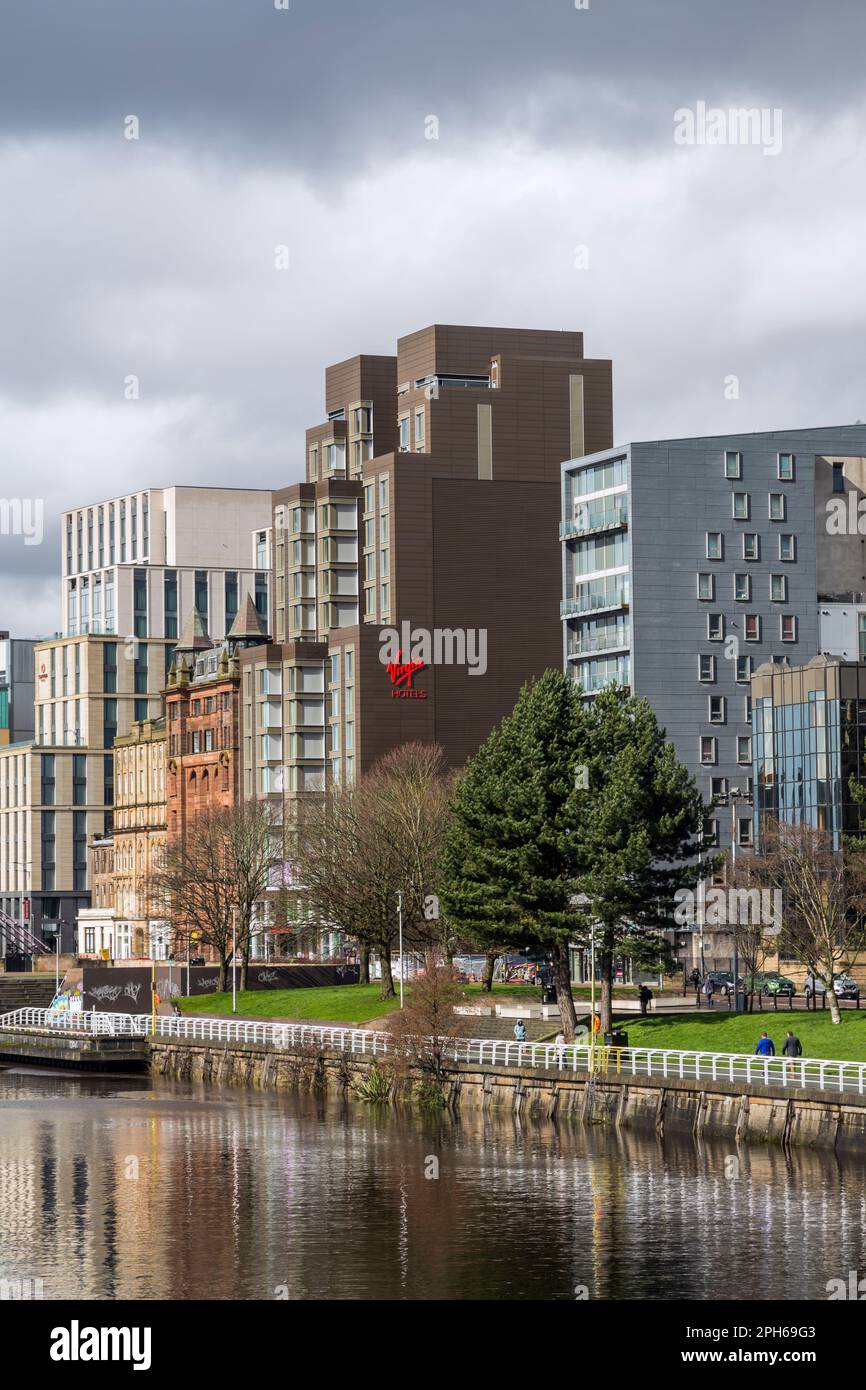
645, 996
709, 991
519, 1031
765, 1047
792, 1047
560, 1049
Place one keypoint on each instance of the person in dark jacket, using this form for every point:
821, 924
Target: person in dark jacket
709, 990
792, 1047
645, 995
766, 1047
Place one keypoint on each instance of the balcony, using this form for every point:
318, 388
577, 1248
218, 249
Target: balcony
588, 646
591, 600
607, 514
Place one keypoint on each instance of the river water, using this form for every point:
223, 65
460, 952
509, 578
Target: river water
126, 1188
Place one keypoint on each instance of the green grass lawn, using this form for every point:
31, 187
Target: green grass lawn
339, 1004
739, 1033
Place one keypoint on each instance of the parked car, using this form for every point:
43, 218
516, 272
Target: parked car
843, 987
723, 981
779, 984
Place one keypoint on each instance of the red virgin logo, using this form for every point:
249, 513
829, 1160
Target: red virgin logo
401, 674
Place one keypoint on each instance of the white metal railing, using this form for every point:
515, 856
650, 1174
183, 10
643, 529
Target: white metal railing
810, 1073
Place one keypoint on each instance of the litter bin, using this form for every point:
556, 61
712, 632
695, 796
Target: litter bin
616, 1039
548, 994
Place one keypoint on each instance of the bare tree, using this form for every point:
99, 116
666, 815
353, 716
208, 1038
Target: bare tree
357, 850
823, 898
427, 1026
750, 919
211, 880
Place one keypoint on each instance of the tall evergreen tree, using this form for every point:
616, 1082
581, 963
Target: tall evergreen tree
507, 875
637, 837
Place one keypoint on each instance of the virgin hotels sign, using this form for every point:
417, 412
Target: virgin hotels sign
401, 674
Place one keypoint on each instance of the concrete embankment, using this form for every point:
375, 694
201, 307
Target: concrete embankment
720, 1110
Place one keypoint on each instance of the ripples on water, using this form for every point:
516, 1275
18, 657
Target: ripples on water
115, 1189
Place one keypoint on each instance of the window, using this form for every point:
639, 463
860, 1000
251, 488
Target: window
740, 506
201, 595
711, 831
715, 545
79, 780
335, 668
314, 464
706, 668
787, 547
231, 600
369, 491
708, 751
170, 602
777, 506
383, 530
716, 709
109, 723
747, 709
47, 794
733, 464
716, 627
139, 603
208, 740
744, 748
384, 598
719, 786
778, 588
751, 546
706, 587
788, 625
785, 470
838, 477
403, 429
744, 832
753, 627
742, 587
349, 660
744, 669
109, 668
383, 494
419, 430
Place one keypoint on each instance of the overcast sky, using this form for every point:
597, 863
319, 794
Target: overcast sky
555, 196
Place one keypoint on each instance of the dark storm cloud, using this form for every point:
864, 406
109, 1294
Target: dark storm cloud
340, 79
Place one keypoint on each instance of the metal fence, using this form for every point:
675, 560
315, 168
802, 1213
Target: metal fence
809, 1073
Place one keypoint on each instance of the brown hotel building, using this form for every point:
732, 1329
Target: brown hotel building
432, 497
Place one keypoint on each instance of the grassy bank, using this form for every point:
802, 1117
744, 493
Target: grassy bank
337, 1004
739, 1033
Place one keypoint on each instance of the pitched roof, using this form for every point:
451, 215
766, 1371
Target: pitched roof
194, 637
247, 623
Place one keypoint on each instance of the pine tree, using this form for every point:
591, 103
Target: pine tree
638, 837
507, 872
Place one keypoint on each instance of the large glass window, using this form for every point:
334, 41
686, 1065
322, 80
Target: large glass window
599, 477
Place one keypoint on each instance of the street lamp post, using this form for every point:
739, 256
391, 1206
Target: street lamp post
400, 939
234, 962
736, 796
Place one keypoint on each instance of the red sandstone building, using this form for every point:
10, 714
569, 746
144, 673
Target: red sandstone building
202, 711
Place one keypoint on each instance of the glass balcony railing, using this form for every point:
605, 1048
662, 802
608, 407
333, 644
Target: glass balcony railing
605, 642
596, 595
604, 514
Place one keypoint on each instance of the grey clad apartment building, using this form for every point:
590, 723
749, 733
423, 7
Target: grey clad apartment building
689, 563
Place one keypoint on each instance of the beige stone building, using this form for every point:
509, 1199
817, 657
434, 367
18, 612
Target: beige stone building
124, 920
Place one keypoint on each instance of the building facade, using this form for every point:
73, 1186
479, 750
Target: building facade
425, 522
16, 689
130, 565
688, 564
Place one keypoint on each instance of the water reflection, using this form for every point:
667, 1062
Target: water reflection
114, 1189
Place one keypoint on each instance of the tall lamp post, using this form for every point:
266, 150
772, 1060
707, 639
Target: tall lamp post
400, 939
736, 796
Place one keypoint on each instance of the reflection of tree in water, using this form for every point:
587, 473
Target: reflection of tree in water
237, 1193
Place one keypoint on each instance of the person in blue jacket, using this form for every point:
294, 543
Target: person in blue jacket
766, 1047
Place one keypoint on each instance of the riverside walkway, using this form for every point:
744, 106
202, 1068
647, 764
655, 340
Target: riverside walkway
829, 1077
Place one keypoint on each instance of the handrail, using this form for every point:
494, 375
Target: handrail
810, 1073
